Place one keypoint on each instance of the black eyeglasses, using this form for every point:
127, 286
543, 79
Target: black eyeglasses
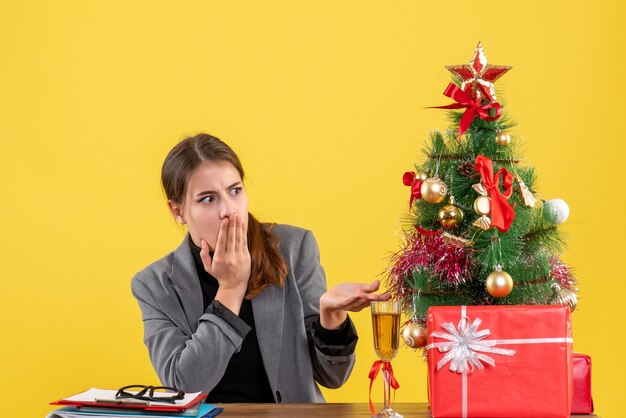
150, 393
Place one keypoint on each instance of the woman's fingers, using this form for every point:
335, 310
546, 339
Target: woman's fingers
230, 264
232, 232
244, 245
378, 297
240, 238
354, 297
365, 300
356, 307
207, 262
372, 287
369, 298
222, 235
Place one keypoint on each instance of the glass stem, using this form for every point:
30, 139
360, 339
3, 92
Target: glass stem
387, 389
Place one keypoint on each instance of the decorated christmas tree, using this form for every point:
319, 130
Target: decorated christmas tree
478, 232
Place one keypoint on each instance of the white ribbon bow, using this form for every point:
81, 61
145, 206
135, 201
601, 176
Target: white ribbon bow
464, 351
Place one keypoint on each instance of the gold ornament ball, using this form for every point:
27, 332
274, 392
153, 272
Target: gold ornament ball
499, 284
568, 298
433, 190
414, 335
450, 216
423, 176
502, 138
482, 205
564, 297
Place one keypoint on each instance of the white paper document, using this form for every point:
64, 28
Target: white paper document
92, 394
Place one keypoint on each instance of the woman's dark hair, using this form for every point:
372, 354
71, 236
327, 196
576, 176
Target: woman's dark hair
268, 266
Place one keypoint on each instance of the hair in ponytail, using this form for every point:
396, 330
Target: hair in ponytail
268, 266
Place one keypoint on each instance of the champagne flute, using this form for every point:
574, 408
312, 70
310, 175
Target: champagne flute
386, 327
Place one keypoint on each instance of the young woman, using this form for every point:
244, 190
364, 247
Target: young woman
240, 309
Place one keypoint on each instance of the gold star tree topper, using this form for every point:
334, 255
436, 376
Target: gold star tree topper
477, 77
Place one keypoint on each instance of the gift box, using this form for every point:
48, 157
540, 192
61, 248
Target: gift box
582, 403
499, 361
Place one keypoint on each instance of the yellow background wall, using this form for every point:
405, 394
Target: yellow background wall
324, 101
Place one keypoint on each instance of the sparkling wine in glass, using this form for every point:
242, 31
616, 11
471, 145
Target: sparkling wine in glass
386, 327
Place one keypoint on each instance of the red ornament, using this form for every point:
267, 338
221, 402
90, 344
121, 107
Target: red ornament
478, 77
410, 179
502, 213
472, 107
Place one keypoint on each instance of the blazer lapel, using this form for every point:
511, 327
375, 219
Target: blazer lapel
185, 279
268, 310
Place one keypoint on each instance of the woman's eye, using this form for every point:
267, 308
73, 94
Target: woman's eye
235, 191
208, 199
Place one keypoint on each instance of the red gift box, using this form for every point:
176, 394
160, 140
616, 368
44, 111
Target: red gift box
582, 403
499, 361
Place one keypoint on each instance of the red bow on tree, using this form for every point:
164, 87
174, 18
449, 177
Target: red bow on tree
387, 373
473, 107
502, 213
410, 179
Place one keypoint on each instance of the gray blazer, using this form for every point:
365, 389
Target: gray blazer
190, 348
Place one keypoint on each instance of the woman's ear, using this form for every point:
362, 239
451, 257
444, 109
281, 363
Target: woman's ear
177, 211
